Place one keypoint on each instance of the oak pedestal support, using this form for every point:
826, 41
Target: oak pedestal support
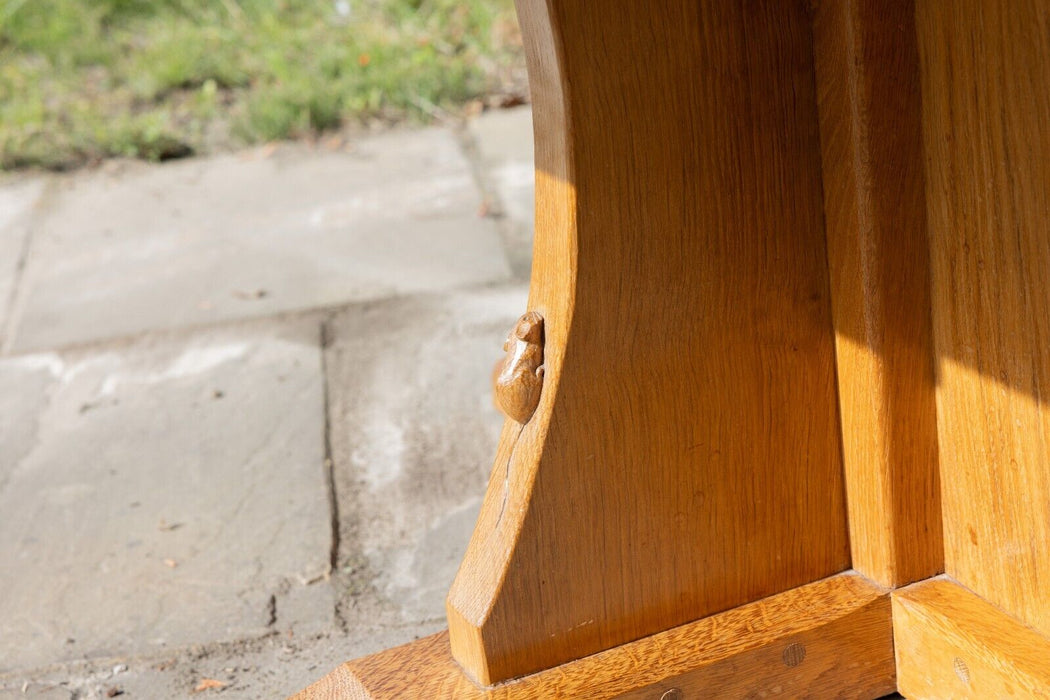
787, 349
684, 458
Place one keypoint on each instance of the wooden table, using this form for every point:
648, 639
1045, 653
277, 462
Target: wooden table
792, 262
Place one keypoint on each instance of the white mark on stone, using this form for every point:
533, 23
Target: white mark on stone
49, 361
517, 174
411, 199
69, 494
200, 360
381, 456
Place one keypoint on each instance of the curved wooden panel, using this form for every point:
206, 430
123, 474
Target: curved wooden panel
684, 458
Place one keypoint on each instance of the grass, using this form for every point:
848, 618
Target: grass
82, 80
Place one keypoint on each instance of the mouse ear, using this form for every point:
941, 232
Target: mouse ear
533, 318
530, 327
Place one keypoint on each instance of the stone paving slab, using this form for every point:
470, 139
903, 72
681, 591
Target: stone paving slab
251, 234
414, 433
504, 140
274, 667
161, 494
18, 199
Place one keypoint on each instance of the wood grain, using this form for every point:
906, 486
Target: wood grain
985, 67
952, 644
867, 69
827, 639
685, 455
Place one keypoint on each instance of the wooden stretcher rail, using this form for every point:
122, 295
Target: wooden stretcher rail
831, 638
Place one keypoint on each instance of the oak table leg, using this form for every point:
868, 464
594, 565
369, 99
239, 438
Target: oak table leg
787, 343
684, 458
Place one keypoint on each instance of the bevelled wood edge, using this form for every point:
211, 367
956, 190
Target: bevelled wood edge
870, 106
952, 643
341, 684
831, 638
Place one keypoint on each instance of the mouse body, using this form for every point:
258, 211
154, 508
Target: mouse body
519, 376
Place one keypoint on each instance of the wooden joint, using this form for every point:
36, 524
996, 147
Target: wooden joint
831, 638
952, 643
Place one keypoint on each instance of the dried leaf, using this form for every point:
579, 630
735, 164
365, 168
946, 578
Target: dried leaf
250, 294
208, 684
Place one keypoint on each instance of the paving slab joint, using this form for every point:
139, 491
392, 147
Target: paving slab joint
329, 464
10, 308
492, 205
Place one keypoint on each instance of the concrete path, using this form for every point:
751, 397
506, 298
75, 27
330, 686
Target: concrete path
245, 416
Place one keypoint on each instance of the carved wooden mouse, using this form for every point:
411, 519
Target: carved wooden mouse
519, 377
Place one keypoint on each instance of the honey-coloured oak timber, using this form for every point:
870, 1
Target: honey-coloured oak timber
684, 458
985, 69
831, 638
867, 68
950, 643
